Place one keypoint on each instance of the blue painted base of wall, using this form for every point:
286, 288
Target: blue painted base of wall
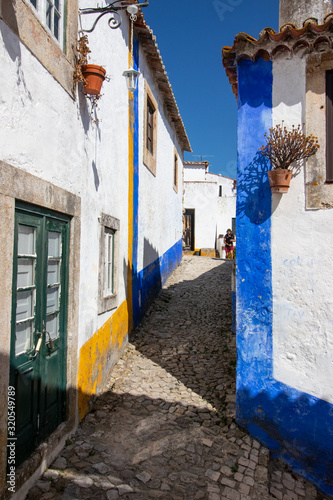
150, 280
233, 305
297, 427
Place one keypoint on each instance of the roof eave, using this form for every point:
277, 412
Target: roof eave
310, 38
149, 46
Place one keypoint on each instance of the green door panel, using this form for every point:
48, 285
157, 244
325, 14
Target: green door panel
39, 311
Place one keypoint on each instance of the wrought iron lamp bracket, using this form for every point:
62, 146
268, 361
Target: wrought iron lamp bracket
113, 9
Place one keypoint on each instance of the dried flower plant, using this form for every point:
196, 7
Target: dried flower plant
82, 58
284, 147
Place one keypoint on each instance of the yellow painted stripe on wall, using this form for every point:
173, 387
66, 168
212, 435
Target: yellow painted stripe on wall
94, 355
130, 193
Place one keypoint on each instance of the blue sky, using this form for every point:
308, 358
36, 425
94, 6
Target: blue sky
190, 35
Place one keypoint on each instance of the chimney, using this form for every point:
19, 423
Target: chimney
298, 11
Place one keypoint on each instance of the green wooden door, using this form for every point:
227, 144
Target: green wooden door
39, 319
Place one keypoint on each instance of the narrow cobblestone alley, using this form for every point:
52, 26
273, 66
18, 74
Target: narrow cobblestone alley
165, 427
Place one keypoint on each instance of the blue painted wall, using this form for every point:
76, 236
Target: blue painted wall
295, 426
150, 280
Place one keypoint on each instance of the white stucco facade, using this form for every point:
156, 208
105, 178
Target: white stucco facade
213, 199
160, 217
59, 143
301, 262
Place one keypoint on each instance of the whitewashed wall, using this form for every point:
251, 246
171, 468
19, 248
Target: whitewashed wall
213, 213
226, 182
106, 171
160, 206
194, 173
226, 204
302, 263
202, 196
47, 133
226, 211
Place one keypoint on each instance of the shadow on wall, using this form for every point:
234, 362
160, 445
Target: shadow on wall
148, 282
143, 286
253, 198
297, 429
295, 426
12, 43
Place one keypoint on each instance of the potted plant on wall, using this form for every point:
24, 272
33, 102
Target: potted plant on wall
91, 75
284, 149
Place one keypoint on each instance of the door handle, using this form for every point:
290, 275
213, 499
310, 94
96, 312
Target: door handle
38, 346
49, 343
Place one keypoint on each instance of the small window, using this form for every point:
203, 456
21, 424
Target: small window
108, 288
108, 263
150, 126
175, 172
150, 130
220, 191
329, 126
50, 12
233, 225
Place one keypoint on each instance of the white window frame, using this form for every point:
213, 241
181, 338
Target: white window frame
108, 278
149, 159
41, 9
175, 170
108, 263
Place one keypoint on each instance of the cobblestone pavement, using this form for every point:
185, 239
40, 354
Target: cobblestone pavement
165, 428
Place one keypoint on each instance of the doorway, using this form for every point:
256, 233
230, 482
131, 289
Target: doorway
39, 324
188, 233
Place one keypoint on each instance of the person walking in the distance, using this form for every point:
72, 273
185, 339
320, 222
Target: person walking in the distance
229, 238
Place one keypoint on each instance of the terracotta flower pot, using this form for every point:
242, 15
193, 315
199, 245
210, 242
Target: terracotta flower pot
279, 180
94, 77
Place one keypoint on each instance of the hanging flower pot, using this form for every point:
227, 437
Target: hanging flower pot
285, 149
279, 180
93, 78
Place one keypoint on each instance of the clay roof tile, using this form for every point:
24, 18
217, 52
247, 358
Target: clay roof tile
312, 37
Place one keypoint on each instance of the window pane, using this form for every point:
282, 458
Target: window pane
49, 15
108, 263
54, 244
110, 278
57, 4
34, 3
52, 326
25, 305
52, 299
53, 274
150, 126
23, 337
25, 272
56, 25
26, 240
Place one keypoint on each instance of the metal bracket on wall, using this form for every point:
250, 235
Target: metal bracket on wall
112, 9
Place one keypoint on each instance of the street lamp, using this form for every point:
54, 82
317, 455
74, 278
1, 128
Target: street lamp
131, 74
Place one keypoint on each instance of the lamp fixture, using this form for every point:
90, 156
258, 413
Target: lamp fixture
132, 74
115, 20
